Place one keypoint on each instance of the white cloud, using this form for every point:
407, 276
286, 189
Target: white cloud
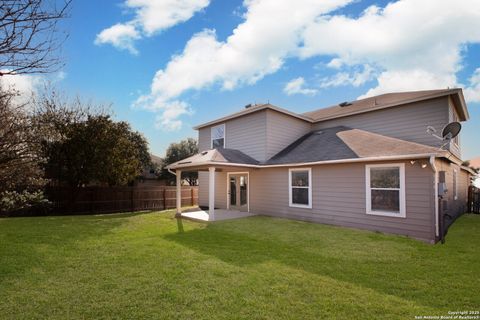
151, 17
120, 36
296, 86
407, 45
356, 78
25, 85
410, 79
335, 63
412, 44
169, 111
157, 15
472, 92
257, 47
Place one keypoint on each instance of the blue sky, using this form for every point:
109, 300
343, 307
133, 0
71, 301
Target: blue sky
213, 57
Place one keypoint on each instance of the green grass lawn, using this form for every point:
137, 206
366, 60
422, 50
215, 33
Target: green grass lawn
149, 266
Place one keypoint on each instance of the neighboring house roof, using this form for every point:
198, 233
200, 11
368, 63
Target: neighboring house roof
475, 163
252, 109
358, 106
156, 159
345, 143
326, 145
385, 101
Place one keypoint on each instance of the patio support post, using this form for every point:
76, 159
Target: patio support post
211, 193
179, 192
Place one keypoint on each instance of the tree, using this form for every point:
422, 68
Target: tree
19, 149
176, 152
29, 35
96, 151
82, 145
21, 177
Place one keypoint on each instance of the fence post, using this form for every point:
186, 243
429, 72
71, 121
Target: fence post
164, 198
131, 200
191, 195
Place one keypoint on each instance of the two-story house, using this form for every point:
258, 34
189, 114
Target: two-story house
368, 164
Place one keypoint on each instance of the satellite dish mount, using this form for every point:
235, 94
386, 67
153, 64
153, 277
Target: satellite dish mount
450, 131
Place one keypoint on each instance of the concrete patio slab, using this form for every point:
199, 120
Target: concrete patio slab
220, 214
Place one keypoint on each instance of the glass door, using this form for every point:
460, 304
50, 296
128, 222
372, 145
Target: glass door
238, 192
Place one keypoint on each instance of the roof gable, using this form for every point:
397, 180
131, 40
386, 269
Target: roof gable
250, 110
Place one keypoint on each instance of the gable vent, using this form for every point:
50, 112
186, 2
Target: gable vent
345, 103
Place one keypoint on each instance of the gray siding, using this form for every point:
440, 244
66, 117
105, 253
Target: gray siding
246, 133
339, 199
282, 130
453, 116
452, 206
407, 122
202, 188
204, 142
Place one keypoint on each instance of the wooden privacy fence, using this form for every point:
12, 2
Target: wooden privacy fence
474, 200
118, 199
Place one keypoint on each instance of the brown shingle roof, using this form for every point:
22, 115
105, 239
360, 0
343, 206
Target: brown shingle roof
340, 143
331, 144
376, 102
368, 144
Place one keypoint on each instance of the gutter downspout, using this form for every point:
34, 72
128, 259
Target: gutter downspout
435, 197
172, 172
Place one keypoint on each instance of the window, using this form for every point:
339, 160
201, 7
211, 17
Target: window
218, 136
300, 187
455, 185
385, 189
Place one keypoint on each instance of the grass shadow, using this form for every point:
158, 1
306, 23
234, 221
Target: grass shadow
391, 265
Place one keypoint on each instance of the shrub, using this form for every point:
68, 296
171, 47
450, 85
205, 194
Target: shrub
21, 203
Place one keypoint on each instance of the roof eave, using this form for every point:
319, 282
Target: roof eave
457, 93
303, 164
459, 101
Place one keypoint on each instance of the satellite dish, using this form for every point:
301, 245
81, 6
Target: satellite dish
451, 130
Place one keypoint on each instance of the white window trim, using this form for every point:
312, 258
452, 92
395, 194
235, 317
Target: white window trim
295, 205
455, 182
224, 135
368, 191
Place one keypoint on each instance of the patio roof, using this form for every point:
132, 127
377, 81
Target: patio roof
219, 156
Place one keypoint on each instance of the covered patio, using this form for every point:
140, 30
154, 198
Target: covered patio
216, 160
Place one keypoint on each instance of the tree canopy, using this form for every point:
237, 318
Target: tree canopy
95, 151
176, 152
